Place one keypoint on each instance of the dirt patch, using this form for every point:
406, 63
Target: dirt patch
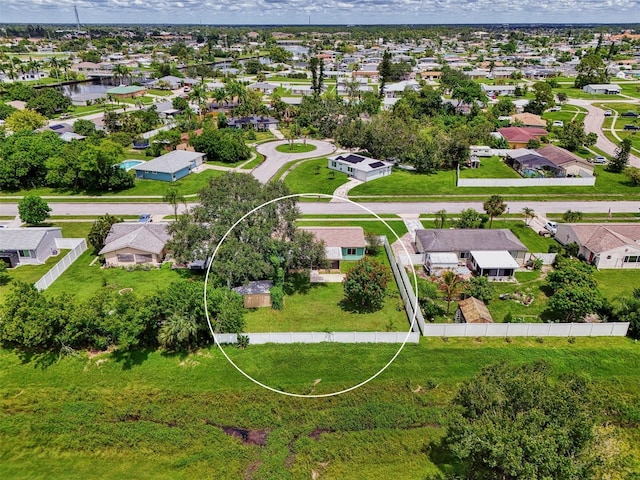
252, 469
251, 437
317, 432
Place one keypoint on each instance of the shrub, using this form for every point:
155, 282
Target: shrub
277, 297
242, 342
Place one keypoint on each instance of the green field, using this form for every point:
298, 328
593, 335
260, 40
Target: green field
296, 148
490, 167
313, 176
152, 415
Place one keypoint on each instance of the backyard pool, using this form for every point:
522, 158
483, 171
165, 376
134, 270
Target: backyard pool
129, 164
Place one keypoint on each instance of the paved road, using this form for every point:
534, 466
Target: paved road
274, 160
593, 123
326, 208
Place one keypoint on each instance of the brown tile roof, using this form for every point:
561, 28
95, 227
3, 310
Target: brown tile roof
347, 237
474, 311
600, 238
561, 157
529, 119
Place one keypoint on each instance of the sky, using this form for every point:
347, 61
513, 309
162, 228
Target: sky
274, 12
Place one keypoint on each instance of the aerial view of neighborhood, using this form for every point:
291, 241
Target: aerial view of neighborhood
234, 248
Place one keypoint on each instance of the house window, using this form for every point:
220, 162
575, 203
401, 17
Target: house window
349, 169
352, 251
631, 259
24, 253
143, 258
125, 258
464, 255
333, 164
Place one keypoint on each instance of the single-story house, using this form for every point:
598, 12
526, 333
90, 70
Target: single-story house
256, 122
498, 90
264, 87
436, 262
481, 150
127, 91
462, 241
602, 89
173, 82
528, 119
256, 294
472, 310
530, 163
518, 137
28, 246
497, 265
611, 245
130, 243
571, 164
340, 243
360, 167
170, 167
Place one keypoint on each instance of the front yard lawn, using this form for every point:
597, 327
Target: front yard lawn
534, 242
490, 167
313, 176
29, 273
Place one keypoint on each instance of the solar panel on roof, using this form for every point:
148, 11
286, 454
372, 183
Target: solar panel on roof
376, 164
353, 159
56, 127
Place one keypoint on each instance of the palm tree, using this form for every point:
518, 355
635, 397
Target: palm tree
529, 215
174, 198
451, 286
178, 331
494, 207
441, 218
65, 63
220, 95
121, 72
199, 95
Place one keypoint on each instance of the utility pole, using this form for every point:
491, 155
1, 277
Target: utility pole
75, 9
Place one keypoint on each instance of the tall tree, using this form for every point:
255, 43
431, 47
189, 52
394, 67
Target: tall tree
591, 69
100, 229
25, 120
384, 69
33, 210
621, 158
529, 214
174, 198
494, 207
518, 422
451, 286
365, 285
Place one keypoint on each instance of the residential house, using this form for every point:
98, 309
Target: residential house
518, 137
360, 167
252, 121
263, 87
462, 241
498, 90
571, 164
256, 294
132, 243
340, 243
127, 91
602, 89
497, 265
170, 167
529, 120
611, 245
28, 246
472, 310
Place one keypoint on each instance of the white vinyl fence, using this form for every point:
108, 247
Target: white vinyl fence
77, 246
527, 182
613, 329
322, 337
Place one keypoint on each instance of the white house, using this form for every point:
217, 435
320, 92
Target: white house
612, 245
602, 89
21, 246
497, 90
360, 167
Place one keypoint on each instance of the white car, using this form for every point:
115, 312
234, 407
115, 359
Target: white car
607, 113
551, 226
557, 123
555, 109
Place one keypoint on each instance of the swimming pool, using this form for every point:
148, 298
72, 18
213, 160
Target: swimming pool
129, 164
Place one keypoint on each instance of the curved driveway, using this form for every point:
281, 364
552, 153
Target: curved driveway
593, 123
274, 160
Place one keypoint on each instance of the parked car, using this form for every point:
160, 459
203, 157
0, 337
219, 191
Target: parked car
607, 113
599, 159
145, 218
65, 115
557, 123
551, 226
630, 114
631, 127
557, 108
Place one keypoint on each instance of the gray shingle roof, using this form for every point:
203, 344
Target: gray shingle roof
23, 238
467, 239
171, 162
147, 237
252, 288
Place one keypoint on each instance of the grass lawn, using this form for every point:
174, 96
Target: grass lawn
375, 227
529, 283
529, 237
159, 93
259, 158
313, 176
296, 148
443, 183
617, 283
319, 310
83, 280
490, 167
74, 229
263, 136
161, 416
29, 273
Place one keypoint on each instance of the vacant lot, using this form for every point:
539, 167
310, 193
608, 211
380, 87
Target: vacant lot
313, 176
152, 415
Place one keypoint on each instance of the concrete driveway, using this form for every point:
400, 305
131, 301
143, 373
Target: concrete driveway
274, 160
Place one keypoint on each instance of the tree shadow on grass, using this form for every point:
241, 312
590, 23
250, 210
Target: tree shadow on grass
130, 358
441, 456
347, 306
40, 360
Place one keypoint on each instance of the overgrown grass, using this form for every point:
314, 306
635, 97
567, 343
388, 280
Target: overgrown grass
313, 176
156, 415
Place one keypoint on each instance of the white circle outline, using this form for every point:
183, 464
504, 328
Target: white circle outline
300, 395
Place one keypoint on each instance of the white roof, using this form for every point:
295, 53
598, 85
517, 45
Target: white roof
493, 259
333, 253
443, 258
170, 162
600, 86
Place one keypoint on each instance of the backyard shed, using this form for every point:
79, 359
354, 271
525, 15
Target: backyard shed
472, 310
438, 261
256, 294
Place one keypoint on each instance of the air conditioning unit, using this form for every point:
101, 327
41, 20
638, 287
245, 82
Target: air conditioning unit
54, 252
